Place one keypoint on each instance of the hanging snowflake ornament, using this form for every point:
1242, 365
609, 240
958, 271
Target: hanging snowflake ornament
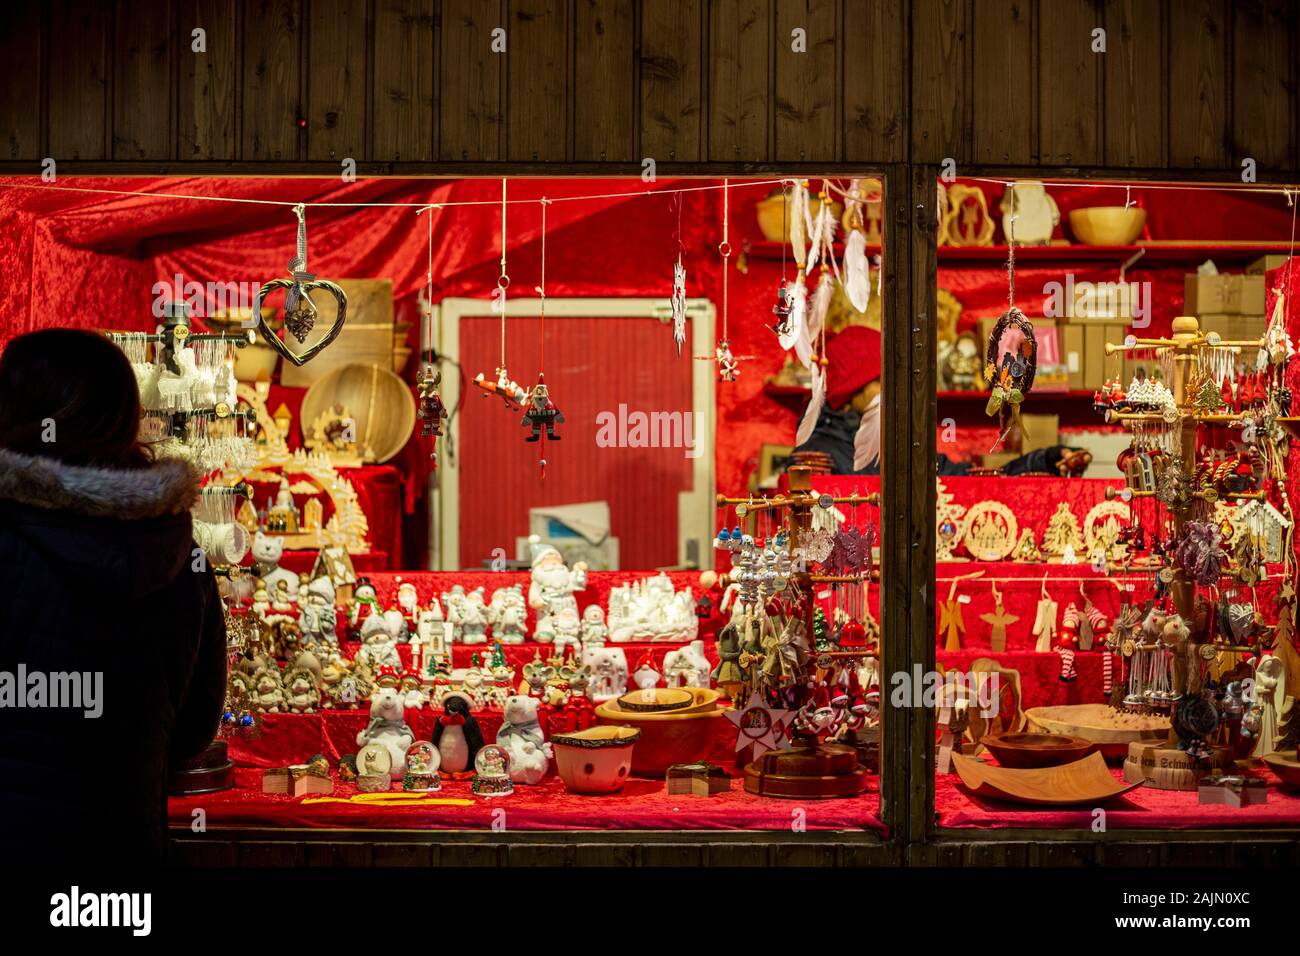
679, 303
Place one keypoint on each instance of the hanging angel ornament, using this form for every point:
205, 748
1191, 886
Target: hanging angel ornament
1045, 620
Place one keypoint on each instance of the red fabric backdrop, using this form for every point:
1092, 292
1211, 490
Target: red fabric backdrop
89, 260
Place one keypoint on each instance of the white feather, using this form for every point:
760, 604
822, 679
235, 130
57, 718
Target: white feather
857, 271
816, 400
801, 341
820, 305
866, 443
798, 212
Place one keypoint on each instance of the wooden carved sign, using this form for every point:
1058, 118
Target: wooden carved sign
991, 531
967, 221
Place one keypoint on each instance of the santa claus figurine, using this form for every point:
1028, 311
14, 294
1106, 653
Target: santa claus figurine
552, 587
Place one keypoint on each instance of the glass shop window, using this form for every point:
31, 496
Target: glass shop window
1115, 563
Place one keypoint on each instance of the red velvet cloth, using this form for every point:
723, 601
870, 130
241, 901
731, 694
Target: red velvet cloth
1145, 807
91, 260
641, 805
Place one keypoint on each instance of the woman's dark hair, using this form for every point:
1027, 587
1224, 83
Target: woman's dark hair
70, 395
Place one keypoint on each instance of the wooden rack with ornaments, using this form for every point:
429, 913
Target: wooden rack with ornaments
1202, 741
810, 768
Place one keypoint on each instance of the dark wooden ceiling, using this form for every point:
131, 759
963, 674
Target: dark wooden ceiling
402, 84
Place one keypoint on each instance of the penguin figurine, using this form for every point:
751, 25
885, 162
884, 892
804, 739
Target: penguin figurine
457, 736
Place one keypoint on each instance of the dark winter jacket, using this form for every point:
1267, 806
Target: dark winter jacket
97, 577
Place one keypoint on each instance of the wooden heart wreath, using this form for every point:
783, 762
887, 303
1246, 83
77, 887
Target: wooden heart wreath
299, 310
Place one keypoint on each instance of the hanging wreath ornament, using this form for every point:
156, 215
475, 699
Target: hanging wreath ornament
299, 310
1011, 356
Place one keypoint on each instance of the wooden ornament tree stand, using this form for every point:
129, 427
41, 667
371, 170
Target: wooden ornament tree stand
810, 769
1164, 765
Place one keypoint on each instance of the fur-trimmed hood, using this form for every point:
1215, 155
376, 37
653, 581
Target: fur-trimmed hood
164, 488
127, 532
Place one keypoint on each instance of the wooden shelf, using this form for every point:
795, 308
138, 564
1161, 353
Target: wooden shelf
1162, 252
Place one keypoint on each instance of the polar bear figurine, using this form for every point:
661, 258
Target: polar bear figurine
388, 727
521, 735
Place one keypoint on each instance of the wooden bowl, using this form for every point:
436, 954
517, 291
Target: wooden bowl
1036, 750
1107, 225
379, 402
1286, 767
684, 735
1085, 781
1098, 723
774, 222
595, 760
656, 700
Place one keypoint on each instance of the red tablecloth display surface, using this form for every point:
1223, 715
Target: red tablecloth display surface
642, 804
1145, 807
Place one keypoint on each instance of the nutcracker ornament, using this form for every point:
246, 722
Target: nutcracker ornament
432, 411
541, 413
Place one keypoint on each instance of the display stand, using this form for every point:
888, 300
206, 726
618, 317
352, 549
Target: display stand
810, 769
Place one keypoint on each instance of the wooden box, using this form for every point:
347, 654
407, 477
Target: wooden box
1223, 294
696, 779
1235, 328
295, 781
1094, 355
1038, 431
367, 336
1072, 352
1265, 264
1233, 791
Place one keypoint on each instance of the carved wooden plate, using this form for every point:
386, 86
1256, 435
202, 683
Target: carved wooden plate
1085, 781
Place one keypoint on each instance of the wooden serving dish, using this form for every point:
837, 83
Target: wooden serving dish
379, 402
656, 700
1084, 781
1028, 750
682, 735
1285, 767
1110, 730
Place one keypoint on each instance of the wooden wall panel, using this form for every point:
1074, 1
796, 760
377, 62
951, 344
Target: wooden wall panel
402, 106
806, 98
206, 94
1135, 78
604, 81
1197, 84
1069, 84
142, 88
1263, 83
470, 82
1002, 87
21, 121
337, 67
740, 74
271, 80
537, 69
672, 75
941, 52
78, 79
874, 57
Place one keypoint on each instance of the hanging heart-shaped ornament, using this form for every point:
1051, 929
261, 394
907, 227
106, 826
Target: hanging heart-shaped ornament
300, 316
300, 311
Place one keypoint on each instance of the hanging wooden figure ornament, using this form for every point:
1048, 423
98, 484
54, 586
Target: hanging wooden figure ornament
728, 365
432, 411
503, 386
299, 310
541, 414
1011, 356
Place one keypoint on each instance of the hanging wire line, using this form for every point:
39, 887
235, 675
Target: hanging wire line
503, 280
541, 294
419, 207
724, 247
1280, 190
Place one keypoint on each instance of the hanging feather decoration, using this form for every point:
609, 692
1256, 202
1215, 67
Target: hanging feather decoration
820, 306
857, 271
800, 339
679, 303
798, 218
815, 402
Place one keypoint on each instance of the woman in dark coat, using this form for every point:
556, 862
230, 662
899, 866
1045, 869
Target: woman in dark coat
112, 640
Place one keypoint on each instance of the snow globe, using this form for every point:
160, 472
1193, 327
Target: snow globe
422, 761
492, 772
